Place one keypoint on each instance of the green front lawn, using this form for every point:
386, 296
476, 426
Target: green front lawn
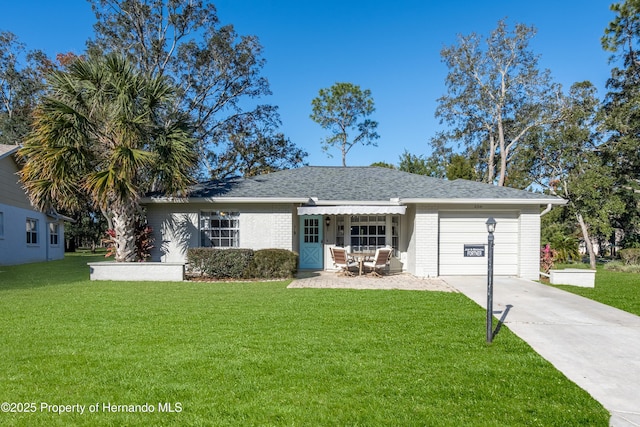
261, 354
617, 289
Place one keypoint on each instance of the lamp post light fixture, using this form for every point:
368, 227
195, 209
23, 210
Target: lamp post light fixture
491, 228
327, 221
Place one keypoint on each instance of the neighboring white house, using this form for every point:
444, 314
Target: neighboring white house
26, 234
433, 225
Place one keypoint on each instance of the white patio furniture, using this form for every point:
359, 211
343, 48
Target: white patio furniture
342, 261
380, 261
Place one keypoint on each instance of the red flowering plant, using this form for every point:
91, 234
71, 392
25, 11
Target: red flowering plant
547, 258
144, 242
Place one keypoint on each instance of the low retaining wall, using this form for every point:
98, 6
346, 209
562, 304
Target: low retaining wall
573, 276
137, 271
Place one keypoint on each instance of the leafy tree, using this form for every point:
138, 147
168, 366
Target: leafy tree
216, 70
87, 231
414, 164
20, 87
108, 133
620, 108
253, 152
496, 96
569, 164
343, 108
383, 165
460, 167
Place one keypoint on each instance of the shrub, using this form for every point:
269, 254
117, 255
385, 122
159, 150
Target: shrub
630, 255
547, 257
144, 241
219, 263
272, 264
631, 240
622, 267
566, 248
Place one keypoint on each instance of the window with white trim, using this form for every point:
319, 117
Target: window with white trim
368, 233
220, 229
32, 231
53, 233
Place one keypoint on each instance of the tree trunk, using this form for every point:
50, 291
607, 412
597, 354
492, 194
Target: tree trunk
491, 171
124, 218
503, 154
587, 241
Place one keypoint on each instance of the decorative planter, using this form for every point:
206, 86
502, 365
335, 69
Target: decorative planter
574, 277
137, 271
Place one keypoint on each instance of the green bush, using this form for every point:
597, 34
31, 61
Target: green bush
219, 263
272, 264
630, 255
566, 248
622, 267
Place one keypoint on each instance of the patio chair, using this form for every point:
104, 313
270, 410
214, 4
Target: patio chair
380, 260
342, 260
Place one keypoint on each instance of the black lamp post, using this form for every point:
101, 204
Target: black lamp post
491, 227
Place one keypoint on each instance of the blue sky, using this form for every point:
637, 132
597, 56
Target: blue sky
390, 47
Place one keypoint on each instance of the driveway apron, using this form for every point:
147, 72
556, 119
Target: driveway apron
594, 345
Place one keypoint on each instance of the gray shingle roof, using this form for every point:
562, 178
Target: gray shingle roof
365, 184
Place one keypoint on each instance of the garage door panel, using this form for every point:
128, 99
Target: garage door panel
458, 249
460, 228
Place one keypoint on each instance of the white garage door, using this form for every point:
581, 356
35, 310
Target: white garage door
461, 228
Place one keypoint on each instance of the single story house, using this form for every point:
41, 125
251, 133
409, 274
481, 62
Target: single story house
435, 227
26, 234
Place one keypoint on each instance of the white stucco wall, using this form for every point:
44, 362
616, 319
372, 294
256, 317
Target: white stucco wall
13, 242
176, 227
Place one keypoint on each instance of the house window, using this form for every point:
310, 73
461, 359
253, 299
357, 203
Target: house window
340, 231
395, 233
220, 229
1, 225
32, 231
53, 234
368, 233
311, 230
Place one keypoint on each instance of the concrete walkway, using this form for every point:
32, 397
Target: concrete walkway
594, 345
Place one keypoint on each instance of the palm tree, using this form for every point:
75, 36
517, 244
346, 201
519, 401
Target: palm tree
108, 134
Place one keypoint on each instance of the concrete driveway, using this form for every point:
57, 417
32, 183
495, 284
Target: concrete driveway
594, 345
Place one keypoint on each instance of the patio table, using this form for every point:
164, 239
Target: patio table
361, 257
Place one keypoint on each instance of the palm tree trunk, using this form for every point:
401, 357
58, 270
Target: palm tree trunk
124, 218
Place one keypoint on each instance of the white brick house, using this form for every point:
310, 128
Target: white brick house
427, 221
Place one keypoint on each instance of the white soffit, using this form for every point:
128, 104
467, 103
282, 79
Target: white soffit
352, 210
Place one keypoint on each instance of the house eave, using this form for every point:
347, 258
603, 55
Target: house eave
178, 200
320, 202
457, 201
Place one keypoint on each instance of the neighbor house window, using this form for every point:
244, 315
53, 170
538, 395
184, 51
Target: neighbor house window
32, 231
53, 234
220, 229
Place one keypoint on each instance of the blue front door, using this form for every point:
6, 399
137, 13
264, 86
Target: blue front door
311, 253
